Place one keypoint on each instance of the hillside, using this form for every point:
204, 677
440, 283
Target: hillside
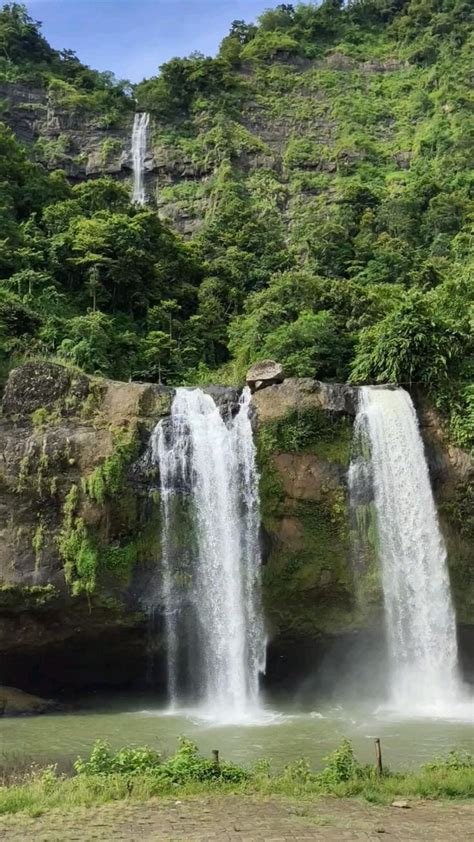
318, 169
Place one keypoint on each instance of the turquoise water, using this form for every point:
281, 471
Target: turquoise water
278, 734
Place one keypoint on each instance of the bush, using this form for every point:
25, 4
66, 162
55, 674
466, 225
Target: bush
185, 766
126, 761
341, 766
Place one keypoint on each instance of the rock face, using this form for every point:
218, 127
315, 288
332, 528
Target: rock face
301, 394
304, 431
80, 524
266, 373
79, 527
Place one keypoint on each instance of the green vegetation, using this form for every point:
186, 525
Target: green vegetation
342, 247
309, 431
77, 548
27, 597
308, 583
139, 773
107, 480
90, 557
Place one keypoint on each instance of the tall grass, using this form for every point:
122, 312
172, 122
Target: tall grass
140, 774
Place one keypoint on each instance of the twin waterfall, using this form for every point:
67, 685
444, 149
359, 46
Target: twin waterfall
211, 555
139, 145
209, 588
419, 614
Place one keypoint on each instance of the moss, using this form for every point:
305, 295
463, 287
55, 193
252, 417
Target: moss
271, 489
110, 147
310, 431
77, 548
42, 470
312, 587
23, 598
364, 540
42, 418
23, 473
120, 558
38, 544
107, 480
92, 403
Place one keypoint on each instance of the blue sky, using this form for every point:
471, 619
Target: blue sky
133, 37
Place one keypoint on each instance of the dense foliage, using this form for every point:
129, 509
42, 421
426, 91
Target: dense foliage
342, 247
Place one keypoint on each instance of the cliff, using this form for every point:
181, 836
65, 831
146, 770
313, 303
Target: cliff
287, 127
80, 523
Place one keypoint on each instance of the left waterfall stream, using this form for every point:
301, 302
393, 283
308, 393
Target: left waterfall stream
208, 581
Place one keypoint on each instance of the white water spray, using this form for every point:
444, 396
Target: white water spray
139, 145
419, 613
211, 578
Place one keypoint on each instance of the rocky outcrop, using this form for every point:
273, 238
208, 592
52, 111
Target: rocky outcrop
15, 702
79, 527
301, 394
264, 374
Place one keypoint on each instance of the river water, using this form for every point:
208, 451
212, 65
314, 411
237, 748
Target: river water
280, 734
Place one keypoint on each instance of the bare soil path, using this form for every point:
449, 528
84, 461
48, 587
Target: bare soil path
247, 819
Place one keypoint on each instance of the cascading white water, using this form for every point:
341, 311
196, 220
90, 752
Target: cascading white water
139, 145
420, 618
211, 576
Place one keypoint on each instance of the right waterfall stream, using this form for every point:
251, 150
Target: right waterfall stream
389, 467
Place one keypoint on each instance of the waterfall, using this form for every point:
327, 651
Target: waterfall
210, 567
139, 139
420, 619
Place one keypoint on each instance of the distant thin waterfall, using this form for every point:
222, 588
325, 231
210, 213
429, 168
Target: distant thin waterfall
210, 568
139, 145
419, 613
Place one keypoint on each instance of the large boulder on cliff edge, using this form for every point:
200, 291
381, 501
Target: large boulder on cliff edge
266, 373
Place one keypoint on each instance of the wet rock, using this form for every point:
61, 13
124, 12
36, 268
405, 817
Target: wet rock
15, 702
266, 373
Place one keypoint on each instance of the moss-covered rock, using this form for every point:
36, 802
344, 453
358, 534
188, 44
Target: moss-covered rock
310, 583
74, 512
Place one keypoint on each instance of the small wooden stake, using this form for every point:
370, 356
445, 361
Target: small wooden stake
378, 757
215, 756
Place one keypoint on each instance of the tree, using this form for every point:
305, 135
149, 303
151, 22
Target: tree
411, 344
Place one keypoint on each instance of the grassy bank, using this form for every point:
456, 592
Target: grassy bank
140, 773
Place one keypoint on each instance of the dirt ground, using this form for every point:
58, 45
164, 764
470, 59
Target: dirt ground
247, 819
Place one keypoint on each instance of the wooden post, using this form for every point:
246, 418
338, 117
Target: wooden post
215, 756
378, 757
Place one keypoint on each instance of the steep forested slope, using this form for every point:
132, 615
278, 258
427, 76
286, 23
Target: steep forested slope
319, 166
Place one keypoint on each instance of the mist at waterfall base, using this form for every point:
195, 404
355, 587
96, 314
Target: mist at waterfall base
209, 582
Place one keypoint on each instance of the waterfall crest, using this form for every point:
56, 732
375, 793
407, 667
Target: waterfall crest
210, 577
139, 145
420, 619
